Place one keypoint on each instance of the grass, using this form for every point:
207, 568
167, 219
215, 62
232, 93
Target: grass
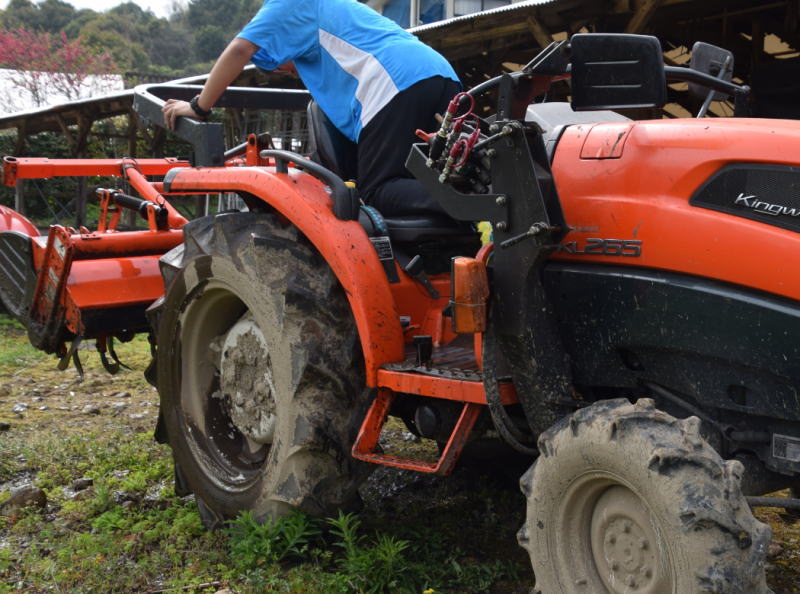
129, 532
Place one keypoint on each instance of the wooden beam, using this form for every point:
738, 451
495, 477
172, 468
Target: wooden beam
62, 123
642, 16
792, 16
622, 6
540, 34
726, 13
482, 35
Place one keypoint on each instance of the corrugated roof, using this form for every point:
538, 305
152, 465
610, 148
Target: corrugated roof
475, 15
123, 95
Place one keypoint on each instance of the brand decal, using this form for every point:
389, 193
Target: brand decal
754, 203
631, 248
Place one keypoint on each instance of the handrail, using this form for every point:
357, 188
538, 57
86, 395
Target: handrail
345, 200
207, 138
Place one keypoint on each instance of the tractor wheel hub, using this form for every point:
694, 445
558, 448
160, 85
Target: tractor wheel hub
624, 543
245, 380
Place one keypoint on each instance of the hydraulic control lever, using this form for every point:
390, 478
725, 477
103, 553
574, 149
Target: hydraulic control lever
416, 270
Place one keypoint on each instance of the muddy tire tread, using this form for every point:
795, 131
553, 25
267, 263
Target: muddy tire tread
329, 396
736, 562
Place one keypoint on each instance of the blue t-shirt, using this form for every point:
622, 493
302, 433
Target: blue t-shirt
351, 59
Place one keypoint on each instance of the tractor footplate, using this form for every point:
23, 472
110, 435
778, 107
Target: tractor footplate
448, 373
366, 447
453, 362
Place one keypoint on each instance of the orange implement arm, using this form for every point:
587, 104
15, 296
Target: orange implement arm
15, 168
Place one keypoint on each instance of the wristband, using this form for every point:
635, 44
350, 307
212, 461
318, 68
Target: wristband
203, 113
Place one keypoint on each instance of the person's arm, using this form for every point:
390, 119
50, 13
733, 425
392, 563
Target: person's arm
227, 67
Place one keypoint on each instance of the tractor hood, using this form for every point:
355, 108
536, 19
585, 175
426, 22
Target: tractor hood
724, 193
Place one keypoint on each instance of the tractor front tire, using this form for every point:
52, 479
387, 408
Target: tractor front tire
260, 372
626, 498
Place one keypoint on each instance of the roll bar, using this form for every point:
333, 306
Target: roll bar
207, 138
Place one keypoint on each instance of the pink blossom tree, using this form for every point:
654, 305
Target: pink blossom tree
44, 64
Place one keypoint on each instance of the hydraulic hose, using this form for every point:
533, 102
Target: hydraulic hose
502, 421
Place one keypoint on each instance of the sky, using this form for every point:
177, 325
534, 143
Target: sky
160, 8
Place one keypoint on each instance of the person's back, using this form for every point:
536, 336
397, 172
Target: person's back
375, 81
351, 59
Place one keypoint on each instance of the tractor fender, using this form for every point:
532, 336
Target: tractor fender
11, 220
304, 201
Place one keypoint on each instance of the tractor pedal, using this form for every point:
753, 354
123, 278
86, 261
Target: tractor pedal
366, 445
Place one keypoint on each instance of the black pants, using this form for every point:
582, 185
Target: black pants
384, 144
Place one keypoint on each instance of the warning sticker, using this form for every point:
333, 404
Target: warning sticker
383, 246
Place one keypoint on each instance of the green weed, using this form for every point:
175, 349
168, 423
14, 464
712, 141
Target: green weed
379, 566
129, 532
253, 544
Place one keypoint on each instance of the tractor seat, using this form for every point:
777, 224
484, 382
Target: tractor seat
419, 228
334, 151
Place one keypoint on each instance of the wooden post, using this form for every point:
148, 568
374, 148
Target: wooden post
200, 206
19, 197
79, 147
19, 148
80, 210
129, 216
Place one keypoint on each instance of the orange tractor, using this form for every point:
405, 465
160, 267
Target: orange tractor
631, 327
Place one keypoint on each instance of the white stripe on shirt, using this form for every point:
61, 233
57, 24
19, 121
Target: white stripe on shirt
375, 87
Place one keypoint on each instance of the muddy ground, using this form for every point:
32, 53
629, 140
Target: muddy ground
480, 507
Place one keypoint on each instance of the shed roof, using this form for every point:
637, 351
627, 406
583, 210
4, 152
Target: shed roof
480, 44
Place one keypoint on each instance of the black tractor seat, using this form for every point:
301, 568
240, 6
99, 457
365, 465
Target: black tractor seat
334, 151
418, 228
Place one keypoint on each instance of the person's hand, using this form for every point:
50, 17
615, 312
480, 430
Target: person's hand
173, 109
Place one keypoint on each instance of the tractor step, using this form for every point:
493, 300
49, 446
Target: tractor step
449, 373
366, 447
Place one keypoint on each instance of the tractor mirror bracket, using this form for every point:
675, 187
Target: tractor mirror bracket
615, 71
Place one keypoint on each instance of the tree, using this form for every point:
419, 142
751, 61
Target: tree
44, 64
209, 41
50, 16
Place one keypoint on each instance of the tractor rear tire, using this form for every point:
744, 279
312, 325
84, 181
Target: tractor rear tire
260, 372
626, 498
